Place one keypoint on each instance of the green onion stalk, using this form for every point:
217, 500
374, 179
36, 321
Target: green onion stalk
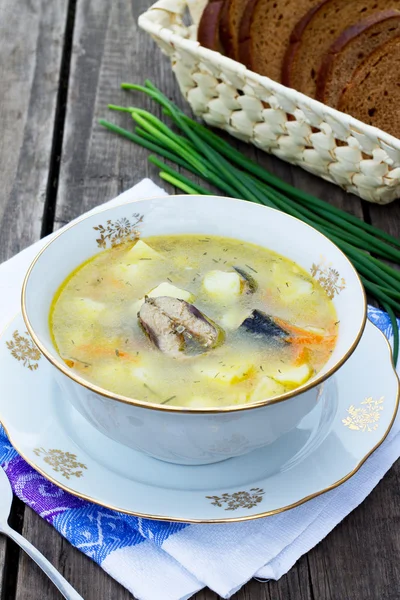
205, 155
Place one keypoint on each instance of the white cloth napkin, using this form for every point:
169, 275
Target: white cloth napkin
179, 561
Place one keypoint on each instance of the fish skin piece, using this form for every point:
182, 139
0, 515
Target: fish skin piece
160, 329
250, 285
262, 324
191, 318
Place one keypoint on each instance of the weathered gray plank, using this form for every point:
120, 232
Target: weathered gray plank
10, 552
108, 49
387, 217
358, 559
31, 39
3, 543
88, 579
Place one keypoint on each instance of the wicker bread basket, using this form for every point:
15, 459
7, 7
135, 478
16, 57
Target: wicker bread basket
362, 159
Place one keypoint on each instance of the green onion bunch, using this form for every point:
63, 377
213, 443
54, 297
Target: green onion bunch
204, 154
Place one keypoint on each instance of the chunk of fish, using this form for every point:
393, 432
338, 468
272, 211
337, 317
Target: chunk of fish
188, 318
160, 329
263, 325
249, 284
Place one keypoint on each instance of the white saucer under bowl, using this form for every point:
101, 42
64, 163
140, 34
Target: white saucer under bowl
54, 439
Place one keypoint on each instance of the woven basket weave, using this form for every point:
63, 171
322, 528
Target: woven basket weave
362, 159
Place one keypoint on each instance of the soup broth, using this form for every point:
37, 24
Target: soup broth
192, 320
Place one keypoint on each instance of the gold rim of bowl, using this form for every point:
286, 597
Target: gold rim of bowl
179, 409
230, 519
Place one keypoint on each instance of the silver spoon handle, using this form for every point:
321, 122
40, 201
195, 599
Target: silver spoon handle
62, 584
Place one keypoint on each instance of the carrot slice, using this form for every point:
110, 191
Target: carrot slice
105, 352
299, 332
303, 356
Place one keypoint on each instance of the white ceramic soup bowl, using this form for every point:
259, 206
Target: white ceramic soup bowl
193, 435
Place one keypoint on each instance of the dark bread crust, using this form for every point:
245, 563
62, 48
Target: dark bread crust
346, 37
373, 94
244, 46
208, 31
225, 33
327, 23
232, 12
295, 41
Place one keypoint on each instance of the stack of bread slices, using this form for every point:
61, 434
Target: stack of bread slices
345, 53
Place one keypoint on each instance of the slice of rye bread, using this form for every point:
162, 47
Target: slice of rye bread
349, 50
373, 95
208, 30
231, 16
265, 31
315, 33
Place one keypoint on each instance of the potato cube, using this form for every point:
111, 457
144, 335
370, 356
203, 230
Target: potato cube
266, 388
167, 289
234, 317
142, 251
164, 289
222, 286
295, 288
292, 376
127, 272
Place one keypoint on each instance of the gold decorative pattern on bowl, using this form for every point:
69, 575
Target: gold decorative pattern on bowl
23, 349
366, 416
62, 462
119, 231
328, 278
238, 499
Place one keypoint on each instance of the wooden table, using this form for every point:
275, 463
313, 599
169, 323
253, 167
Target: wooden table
61, 63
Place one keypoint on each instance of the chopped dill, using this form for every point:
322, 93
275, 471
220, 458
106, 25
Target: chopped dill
168, 400
150, 390
251, 268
